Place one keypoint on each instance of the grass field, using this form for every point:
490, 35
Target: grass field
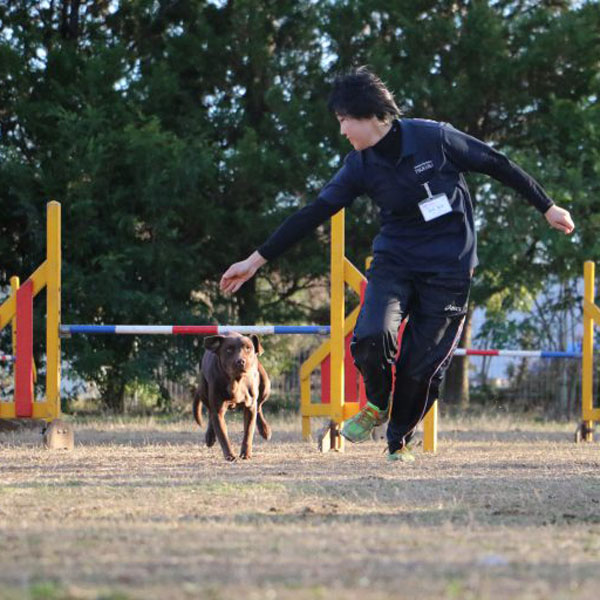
142, 509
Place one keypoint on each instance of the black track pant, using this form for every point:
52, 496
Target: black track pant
436, 305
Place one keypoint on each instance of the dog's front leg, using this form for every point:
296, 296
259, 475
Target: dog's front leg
249, 426
220, 428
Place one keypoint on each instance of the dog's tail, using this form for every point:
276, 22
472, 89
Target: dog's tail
197, 407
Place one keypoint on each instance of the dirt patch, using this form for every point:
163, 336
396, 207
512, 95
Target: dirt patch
142, 509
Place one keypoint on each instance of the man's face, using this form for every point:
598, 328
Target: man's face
361, 133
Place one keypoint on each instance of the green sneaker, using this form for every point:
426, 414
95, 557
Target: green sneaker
403, 455
359, 427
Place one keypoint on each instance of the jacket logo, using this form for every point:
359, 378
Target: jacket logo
452, 308
424, 166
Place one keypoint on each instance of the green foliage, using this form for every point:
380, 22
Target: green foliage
177, 135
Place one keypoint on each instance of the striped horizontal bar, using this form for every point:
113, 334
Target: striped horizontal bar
143, 329
275, 330
193, 329
517, 353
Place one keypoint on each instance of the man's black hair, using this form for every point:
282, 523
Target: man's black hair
360, 94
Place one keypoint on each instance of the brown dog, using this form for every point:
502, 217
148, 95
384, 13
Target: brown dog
231, 375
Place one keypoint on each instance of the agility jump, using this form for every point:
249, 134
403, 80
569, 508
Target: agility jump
18, 311
338, 401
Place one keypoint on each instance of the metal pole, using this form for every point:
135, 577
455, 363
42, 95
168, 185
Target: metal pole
588, 352
53, 291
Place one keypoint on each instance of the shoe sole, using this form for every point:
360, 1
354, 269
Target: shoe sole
368, 437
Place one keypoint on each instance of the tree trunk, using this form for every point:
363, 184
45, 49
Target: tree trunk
249, 310
69, 27
456, 385
113, 392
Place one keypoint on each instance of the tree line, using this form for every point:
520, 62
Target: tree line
178, 134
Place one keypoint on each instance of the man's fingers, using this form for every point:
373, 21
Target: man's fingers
566, 225
235, 277
562, 222
225, 285
234, 287
231, 285
560, 219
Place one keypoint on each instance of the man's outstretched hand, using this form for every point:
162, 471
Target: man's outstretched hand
239, 272
560, 219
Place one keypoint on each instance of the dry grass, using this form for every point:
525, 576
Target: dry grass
143, 510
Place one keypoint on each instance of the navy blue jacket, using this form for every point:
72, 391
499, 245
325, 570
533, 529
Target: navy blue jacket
432, 153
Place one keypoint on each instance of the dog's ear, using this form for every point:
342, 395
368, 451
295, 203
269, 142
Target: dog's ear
257, 345
213, 342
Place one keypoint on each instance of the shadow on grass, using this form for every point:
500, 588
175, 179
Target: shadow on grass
136, 438
506, 436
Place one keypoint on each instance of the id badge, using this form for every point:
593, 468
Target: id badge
434, 207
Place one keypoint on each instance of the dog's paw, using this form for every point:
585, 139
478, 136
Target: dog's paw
245, 455
231, 458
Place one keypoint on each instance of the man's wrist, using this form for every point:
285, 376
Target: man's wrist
545, 212
256, 260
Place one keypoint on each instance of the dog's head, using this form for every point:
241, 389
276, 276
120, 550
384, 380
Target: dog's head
237, 353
